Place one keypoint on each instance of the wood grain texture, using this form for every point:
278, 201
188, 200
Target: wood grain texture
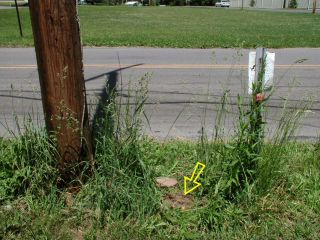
59, 58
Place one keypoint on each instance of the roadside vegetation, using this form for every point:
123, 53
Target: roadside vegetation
178, 27
251, 188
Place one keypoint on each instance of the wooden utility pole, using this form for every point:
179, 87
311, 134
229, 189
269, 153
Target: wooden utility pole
59, 56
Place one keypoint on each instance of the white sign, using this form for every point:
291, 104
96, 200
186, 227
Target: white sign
269, 70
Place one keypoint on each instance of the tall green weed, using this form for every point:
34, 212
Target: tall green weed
27, 163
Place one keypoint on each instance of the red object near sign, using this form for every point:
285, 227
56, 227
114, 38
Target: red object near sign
260, 97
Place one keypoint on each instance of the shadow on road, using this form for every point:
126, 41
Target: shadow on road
102, 119
108, 73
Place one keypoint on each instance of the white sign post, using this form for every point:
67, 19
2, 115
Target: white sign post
253, 71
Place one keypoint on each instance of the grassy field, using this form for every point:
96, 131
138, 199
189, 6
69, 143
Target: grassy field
179, 27
5, 4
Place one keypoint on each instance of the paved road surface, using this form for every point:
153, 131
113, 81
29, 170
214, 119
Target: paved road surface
186, 85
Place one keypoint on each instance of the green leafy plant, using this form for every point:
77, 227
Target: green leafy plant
123, 184
293, 4
27, 163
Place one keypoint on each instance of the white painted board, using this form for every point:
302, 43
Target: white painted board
251, 70
269, 71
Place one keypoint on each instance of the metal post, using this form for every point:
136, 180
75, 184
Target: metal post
18, 16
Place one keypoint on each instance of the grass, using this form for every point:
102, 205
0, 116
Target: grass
289, 208
179, 27
121, 200
5, 4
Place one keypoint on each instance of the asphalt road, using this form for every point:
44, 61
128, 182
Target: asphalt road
185, 86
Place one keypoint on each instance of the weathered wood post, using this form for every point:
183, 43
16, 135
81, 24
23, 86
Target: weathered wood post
59, 56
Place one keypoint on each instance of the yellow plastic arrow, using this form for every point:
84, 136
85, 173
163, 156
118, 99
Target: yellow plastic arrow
193, 178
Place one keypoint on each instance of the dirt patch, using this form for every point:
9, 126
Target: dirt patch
179, 200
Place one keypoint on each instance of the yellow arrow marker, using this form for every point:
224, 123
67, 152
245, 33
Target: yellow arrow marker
198, 169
